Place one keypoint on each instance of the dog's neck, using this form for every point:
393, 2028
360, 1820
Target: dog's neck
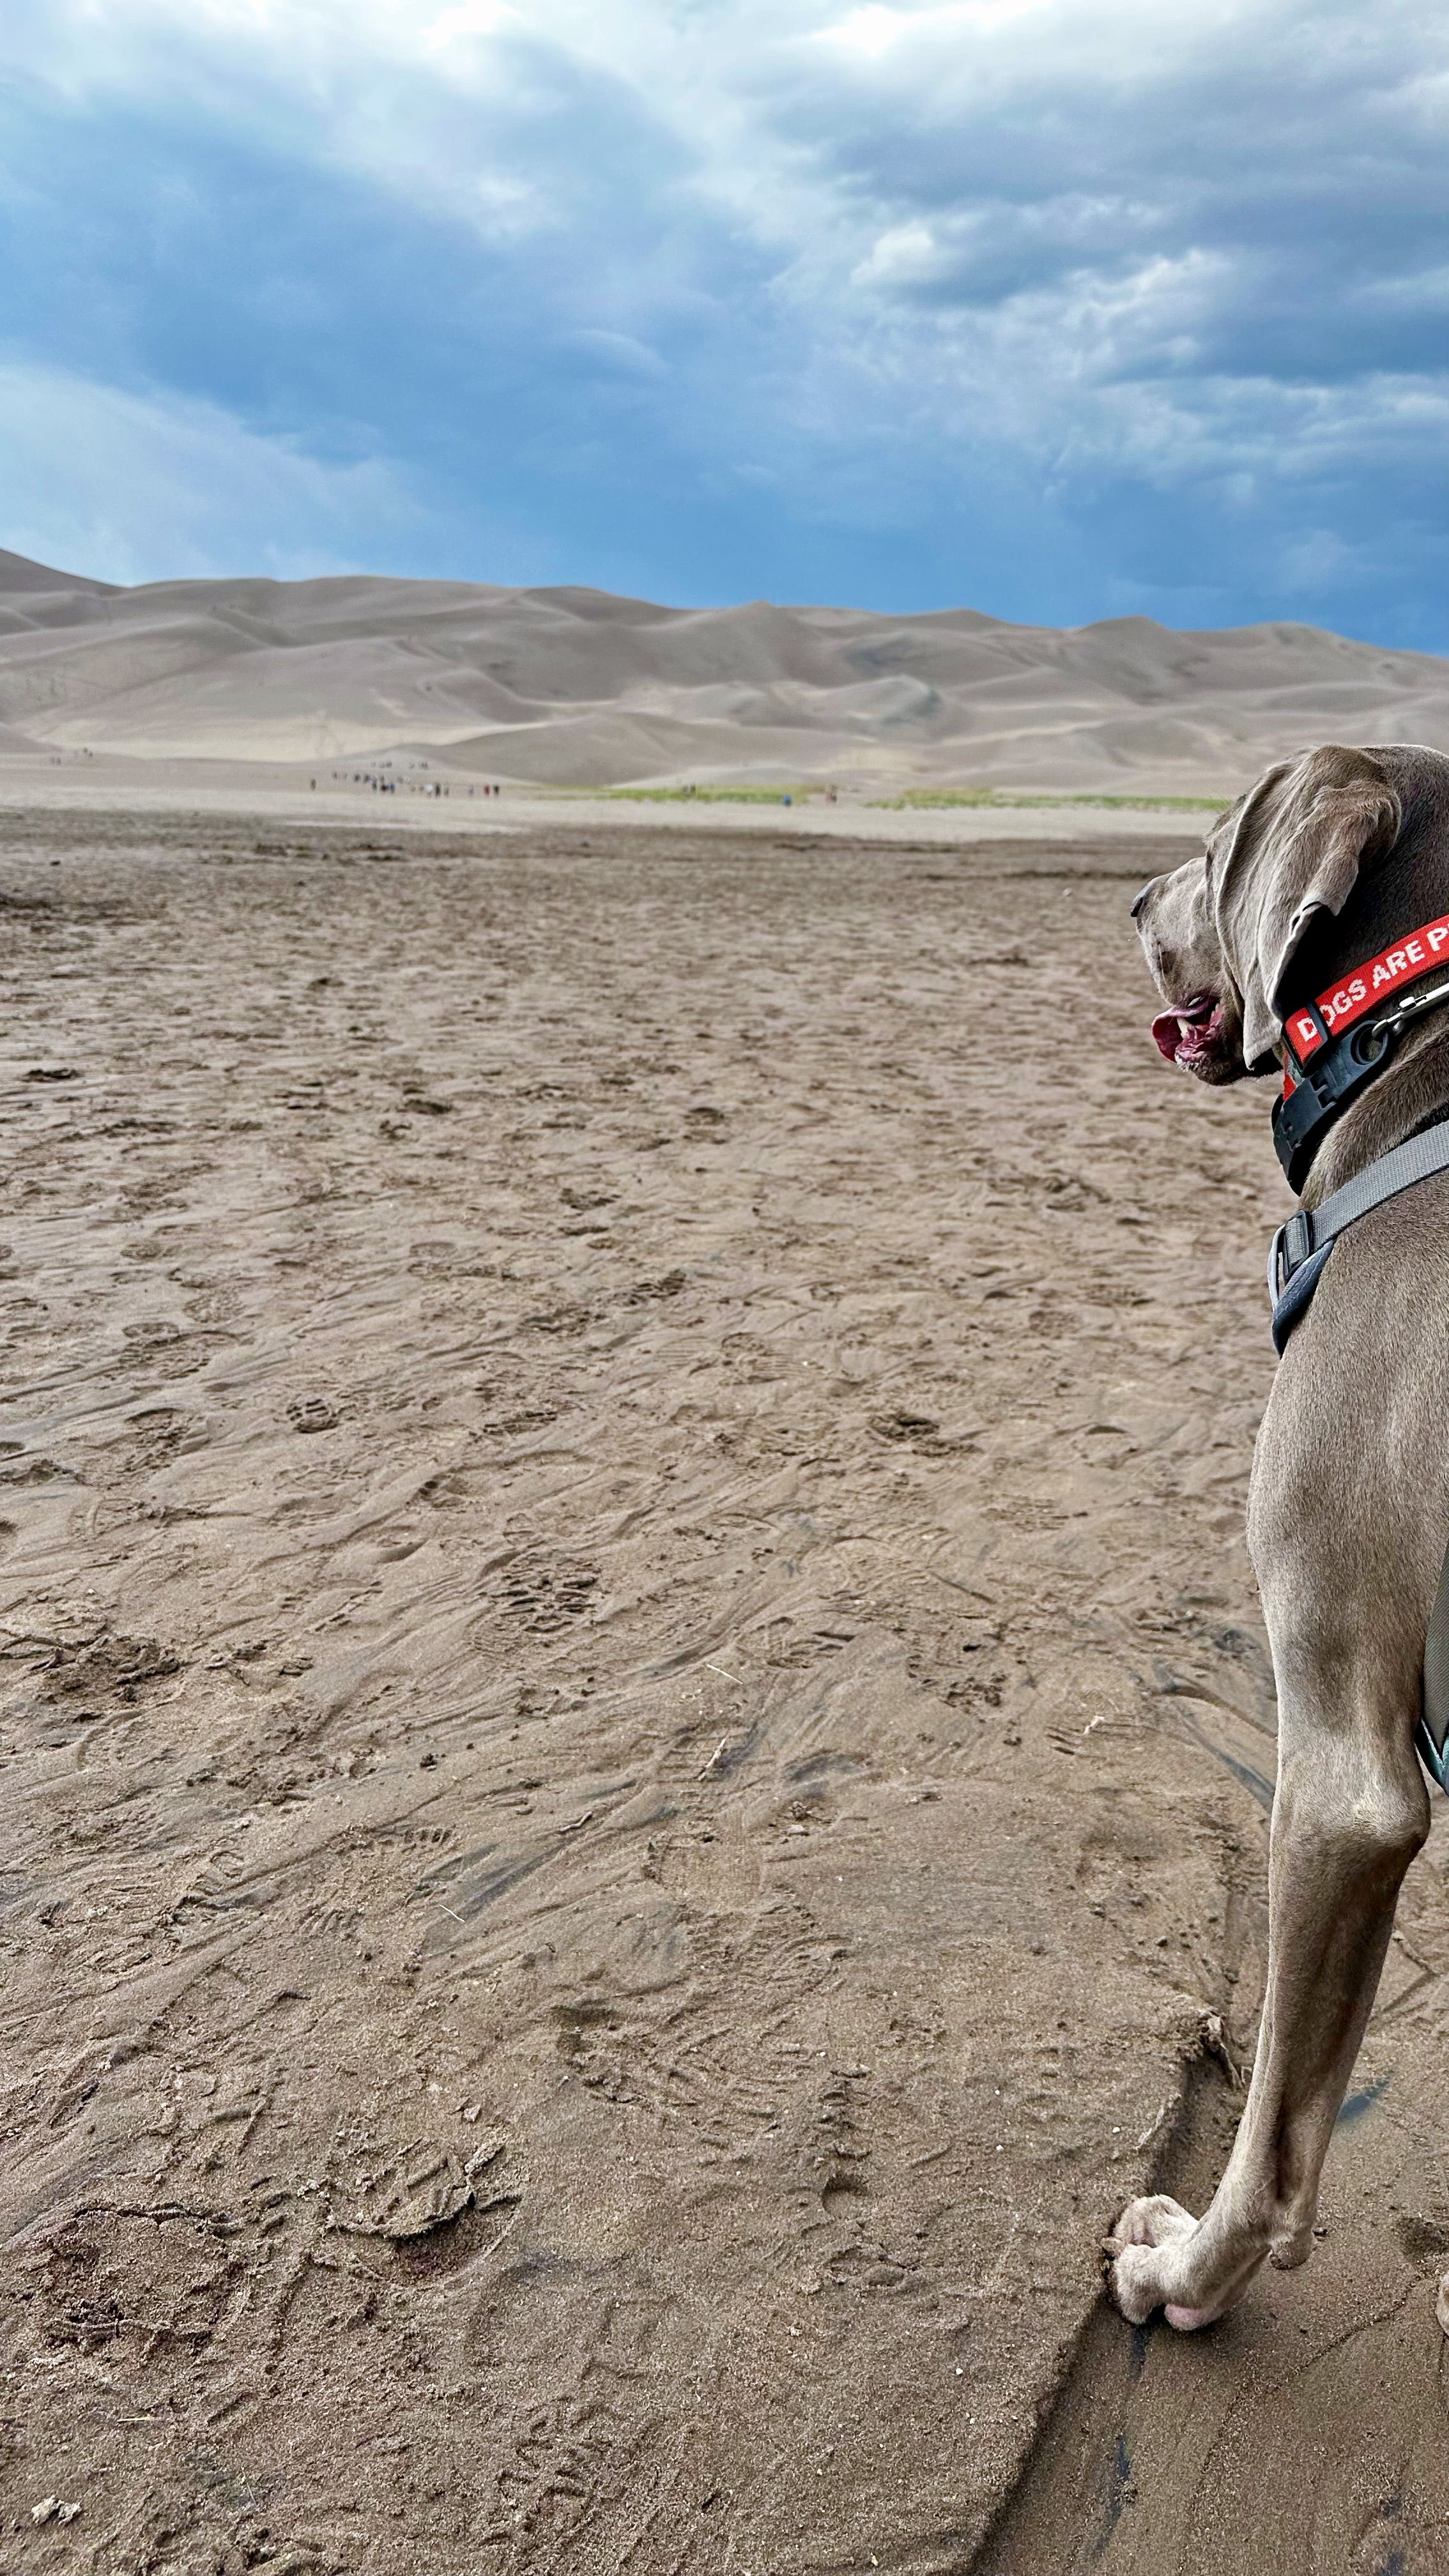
1406, 1095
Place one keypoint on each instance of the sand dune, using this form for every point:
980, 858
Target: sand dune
575, 687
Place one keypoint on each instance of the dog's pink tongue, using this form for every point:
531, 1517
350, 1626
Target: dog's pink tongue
1167, 1030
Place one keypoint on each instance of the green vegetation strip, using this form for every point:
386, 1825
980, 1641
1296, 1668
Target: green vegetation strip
912, 799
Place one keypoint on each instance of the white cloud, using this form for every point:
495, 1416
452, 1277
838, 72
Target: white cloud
113, 483
873, 30
468, 18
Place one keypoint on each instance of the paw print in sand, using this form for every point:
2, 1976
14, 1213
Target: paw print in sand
312, 1413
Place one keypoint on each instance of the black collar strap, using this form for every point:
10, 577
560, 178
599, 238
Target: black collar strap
1334, 1046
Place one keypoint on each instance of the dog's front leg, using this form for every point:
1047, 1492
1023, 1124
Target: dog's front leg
1350, 1812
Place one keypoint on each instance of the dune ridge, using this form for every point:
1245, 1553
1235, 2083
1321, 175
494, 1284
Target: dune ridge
577, 687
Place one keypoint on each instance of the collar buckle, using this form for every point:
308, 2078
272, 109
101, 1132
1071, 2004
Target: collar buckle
1323, 1090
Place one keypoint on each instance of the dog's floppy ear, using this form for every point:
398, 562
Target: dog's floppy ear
1300, 841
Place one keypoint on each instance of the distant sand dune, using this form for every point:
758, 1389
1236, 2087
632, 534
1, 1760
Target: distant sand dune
571, 687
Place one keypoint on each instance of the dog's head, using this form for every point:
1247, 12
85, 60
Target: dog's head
1221, 933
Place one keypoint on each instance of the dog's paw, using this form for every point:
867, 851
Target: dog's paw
1144, 2262
1153, 2221
1441, 2304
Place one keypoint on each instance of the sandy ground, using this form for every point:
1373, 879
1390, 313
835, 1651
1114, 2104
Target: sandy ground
637, 1733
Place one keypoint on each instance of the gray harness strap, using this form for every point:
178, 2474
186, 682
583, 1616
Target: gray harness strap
1314, 1231
1296, 1263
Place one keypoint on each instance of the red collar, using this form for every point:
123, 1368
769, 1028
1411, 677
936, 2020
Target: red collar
1360, 991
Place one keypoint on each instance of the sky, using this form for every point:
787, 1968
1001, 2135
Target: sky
1059, 309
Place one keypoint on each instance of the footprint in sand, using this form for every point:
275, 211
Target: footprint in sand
312, 1413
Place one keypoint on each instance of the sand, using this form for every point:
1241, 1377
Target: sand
573, 687
638, 1732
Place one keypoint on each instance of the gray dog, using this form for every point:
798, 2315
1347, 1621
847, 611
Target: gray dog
1330, 858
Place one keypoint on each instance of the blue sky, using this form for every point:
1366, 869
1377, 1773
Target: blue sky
1061, 309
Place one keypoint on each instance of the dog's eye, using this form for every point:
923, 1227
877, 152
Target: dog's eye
1142, 898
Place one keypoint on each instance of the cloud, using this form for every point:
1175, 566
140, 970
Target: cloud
612, 353
134, 467
1052, 306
